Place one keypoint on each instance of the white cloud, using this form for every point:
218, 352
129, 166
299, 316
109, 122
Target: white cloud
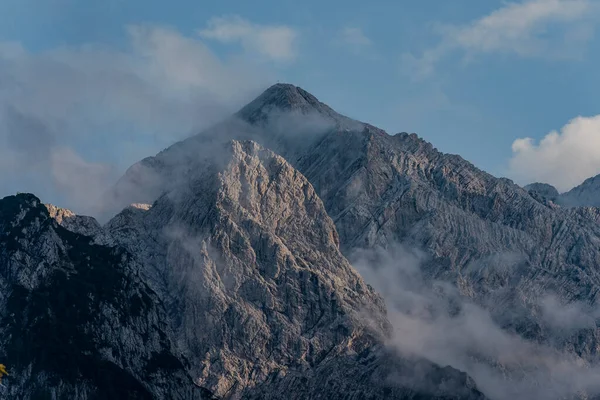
563, 159
73, 118
277, 42
531, 28
354, 37
432, 319
184, 62
73, 174
518, 27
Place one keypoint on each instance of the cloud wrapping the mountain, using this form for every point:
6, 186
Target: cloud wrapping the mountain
285, 133
431, 319
564, 159
73, 118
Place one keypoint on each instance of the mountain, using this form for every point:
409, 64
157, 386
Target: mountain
77, 321
586, 194
543, 189
381, 189
240, 239
285, 119
258, 292
285, 98
230, 285
505, 250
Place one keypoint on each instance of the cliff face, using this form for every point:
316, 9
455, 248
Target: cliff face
230, 285
228, 277
400, 189
585, 195
542, 190
504, 248
77, 321
258, 292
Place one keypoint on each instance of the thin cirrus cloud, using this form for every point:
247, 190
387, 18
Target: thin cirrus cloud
72, 118
275, 42
555, 29
564, 159
354, 38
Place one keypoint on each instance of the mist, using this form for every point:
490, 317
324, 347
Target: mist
287, 133
72, 119
432, 319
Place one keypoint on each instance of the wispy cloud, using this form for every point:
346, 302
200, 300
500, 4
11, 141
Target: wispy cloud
531, 28
353, 38
563, 159
432, 319
277, 42
72, 118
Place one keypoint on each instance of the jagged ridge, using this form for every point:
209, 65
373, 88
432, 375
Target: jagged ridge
77, 321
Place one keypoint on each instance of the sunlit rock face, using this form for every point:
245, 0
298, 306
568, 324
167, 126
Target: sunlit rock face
504, 248
231, 285
259, 295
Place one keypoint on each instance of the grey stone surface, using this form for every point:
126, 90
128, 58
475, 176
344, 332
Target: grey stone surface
503, 247
259, 294
77, 321
231, 285
586, 194
245, 254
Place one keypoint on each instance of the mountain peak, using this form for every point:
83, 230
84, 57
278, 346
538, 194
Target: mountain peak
285, 97
81, 224
543, 189
586, 194
288, 96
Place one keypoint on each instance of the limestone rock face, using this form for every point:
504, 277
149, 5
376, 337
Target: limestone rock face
230, 285
503, 247
586, 194
544, 190
77, 322
81, 224
258, 293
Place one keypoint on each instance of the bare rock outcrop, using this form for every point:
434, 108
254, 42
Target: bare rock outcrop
258, 292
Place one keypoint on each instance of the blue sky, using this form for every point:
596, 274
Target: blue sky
113, 81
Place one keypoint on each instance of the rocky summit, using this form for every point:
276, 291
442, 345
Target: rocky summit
586, 194
227, 268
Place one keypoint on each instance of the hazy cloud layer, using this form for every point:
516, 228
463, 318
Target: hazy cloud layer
72, 119
432, 320
277, 42
564, 159
556, 29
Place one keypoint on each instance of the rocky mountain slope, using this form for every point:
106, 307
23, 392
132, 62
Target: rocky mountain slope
258, 292
543, 189
77, 321
504, 249
380, 189
241, 254
586, 194
230, 285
